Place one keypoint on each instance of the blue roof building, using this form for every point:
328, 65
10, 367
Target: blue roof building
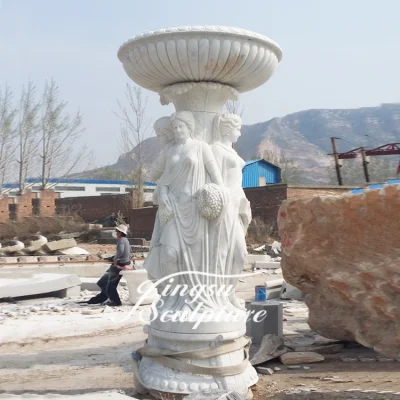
260, 173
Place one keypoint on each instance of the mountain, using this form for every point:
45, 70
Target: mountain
303, 138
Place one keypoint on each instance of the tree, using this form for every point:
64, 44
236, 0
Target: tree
28, 129
134, 130
7, 133
59, 134
234, 107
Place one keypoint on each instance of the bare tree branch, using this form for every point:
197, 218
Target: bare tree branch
28, 129
7, 133
234, 107
134, 130
59, 133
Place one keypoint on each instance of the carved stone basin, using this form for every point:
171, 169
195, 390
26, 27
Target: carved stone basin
236, 57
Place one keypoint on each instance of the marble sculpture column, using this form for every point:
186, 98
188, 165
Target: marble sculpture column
199, 235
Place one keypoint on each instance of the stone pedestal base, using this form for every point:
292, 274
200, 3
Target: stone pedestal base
159, 378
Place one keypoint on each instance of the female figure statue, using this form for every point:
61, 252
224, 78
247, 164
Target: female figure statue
231, 228
188, 165
165, 135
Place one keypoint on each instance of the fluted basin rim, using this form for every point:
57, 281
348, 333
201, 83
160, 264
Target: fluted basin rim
204, 29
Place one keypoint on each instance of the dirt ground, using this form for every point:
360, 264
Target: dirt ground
101, 360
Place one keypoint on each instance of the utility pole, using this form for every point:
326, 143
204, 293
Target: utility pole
337, 165
365, 164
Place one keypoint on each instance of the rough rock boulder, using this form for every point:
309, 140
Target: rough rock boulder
344, 254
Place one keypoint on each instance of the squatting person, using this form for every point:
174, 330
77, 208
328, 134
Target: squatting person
108, 283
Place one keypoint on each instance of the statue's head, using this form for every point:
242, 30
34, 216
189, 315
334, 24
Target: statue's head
163, 129
227, 126
183, 124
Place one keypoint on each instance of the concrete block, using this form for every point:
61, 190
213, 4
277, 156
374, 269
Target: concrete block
290, 292
77, 258
73, 251
8, 260
258, 257
60, 244
273, 293
69, 292
27, 259
48, 259
37, 284
271, 324
80, 269
266, 265
63, 258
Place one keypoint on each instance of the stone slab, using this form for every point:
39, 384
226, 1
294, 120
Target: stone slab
8, 260
290, 292
258, 257
272, 324
297, 358
27, 259
273, 293
266, 265
48, 259
73, 251
95, 270
37, 284
60, 244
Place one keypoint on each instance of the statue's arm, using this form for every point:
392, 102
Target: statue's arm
212, 166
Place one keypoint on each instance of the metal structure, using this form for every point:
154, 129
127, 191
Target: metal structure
385, 150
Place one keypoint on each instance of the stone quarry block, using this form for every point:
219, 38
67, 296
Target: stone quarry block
60, 244
272, 324
297, 358
343, 253
37, 284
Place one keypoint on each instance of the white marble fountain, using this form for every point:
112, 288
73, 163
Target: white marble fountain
196, 337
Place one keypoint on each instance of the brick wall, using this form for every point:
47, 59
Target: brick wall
22, 206
5, 201
301, 191
265, 202
45, 205
94, 208
141, 221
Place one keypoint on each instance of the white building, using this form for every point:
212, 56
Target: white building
82, 187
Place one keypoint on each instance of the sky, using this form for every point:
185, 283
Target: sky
336, 53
